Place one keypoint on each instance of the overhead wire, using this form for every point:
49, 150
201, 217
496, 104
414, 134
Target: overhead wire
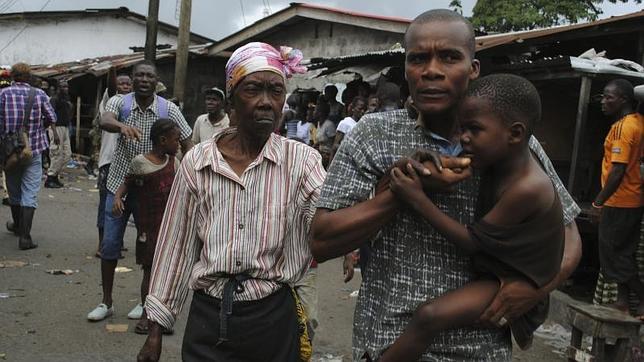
241, 4
23, 29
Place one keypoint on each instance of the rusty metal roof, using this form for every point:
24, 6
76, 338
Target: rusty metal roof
101, 65
490, 41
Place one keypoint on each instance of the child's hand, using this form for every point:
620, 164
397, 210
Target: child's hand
118, 207
407, 187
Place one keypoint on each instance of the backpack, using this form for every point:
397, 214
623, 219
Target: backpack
128, 101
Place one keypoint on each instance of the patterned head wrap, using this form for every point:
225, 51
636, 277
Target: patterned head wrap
257, 57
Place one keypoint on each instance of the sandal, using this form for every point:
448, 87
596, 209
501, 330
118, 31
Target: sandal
141, 326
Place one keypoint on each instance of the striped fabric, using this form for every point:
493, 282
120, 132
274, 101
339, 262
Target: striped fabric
217, 223
12, 108
606, 293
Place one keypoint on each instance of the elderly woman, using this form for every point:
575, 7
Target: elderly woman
236, 224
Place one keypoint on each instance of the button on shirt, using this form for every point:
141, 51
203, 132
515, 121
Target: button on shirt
12, 108
217, 223
143, 119
410, 262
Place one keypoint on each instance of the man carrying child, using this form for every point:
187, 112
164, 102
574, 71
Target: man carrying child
410, 262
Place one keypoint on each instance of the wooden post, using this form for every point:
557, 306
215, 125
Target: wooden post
640, 48
151, 30
580, 124
181, 60
78, 117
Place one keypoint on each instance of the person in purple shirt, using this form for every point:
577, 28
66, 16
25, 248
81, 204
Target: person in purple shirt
23, 182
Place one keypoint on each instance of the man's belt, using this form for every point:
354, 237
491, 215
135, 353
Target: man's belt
235, 284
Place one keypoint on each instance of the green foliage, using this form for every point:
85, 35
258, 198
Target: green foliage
512, 15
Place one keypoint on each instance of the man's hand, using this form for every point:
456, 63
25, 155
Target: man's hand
514, 298
118, 207
151, 350
347, 267
594, 215
131, 133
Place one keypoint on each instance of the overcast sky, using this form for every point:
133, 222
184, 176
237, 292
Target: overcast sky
219, 18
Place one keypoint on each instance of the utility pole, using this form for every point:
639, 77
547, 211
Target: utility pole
181, 62
151, 30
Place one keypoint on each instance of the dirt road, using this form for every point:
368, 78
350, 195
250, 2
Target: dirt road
43, 316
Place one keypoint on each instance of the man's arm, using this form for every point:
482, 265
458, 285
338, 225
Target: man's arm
47, 111
175, 115
171, 269
335, 233
110, 123
617, 172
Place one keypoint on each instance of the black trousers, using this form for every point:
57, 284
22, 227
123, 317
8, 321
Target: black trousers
262, 330
619, 233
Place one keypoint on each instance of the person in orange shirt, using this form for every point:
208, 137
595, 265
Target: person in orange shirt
619, 203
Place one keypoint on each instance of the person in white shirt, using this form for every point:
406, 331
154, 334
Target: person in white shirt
357, 107
215, 120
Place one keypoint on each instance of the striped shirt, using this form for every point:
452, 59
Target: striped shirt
143, 119
217, 223
12, 108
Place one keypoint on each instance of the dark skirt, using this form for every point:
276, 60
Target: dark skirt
262, 330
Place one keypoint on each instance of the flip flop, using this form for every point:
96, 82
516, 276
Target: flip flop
141, 327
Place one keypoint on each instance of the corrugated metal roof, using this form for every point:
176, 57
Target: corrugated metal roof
333, 64
490, 41
101, 65
352, 13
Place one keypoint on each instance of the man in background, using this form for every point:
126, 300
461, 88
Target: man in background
60, 153
215, 120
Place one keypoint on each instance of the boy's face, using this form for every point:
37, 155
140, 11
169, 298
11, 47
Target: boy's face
357, 110
374, 104
438, 65
170, 142
484, 135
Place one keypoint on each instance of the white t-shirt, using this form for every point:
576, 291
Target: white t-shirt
204, 129
304, 131
346, 125
140, 165
108, 139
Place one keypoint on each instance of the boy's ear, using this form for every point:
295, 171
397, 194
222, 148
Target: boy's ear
517, 133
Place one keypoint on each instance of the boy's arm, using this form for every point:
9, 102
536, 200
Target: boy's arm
450, 228
517, 203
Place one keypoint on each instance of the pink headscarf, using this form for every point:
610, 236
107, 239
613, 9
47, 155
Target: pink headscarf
257, 57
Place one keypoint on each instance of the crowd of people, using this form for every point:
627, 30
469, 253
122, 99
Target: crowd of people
462, 225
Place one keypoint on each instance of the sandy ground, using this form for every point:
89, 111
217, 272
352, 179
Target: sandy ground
43, 316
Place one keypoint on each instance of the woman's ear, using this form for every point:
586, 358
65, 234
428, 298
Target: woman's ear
517, 133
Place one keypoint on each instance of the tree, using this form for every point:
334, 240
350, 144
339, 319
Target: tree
512, 15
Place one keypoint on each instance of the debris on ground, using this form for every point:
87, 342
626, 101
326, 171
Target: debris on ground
74, 189
555, 335
12, 264
9, 295
116, 328
61, 271
354, 294
327, 357
122, 269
